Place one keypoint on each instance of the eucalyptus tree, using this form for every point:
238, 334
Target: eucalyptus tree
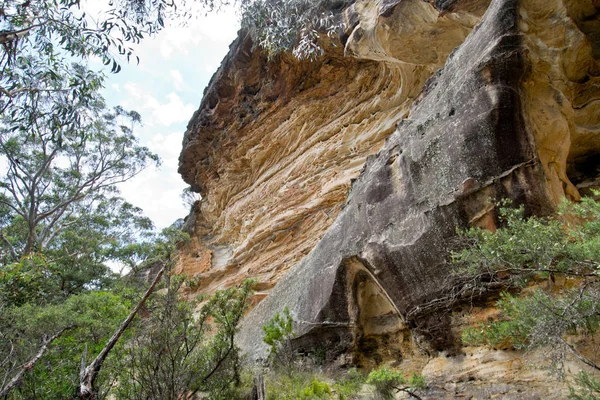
64, 153
301, 27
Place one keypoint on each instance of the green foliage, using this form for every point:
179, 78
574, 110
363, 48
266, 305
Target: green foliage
58, 195
498, 334
297, 26
317, 389
588, 387
387, 382
173, 352
349, 385
27, 281
54, 31
586, 233
297, 387
278, 329
530, 248
539, 319
525, 247
93, 317
63, 174
278, 334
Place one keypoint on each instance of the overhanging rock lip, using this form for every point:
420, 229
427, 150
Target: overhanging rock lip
307, 289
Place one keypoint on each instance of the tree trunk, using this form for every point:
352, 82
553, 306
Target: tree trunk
30, 242
258, 390
88, 375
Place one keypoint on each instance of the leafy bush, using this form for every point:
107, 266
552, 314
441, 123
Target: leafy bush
387, 382
297, 387
317, 389
523, 249
278, 334
173, 352
349, 385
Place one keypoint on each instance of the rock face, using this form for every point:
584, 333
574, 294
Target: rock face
511, 112
275, 144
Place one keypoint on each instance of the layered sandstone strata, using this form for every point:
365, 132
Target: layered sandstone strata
276, 144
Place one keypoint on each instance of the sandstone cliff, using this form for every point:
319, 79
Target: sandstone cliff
341, 182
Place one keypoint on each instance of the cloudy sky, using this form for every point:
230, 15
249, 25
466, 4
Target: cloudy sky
166, 88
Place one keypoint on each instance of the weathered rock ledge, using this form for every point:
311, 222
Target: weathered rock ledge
275, 144
428, 135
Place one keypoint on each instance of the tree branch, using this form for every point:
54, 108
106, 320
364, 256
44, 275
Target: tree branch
585, 360
88, 375
17, 379
11, 249
407, 391
6, 37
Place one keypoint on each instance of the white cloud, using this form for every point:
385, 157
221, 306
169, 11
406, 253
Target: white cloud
177, 79
163, 113
172, 112
158, 195
214, 28
209, 67
165, 88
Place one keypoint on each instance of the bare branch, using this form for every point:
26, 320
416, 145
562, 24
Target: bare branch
19, 377
579, 355
89, 374
11, 249
408, 391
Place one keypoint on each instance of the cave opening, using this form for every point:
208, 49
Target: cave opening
584, 172
380, 334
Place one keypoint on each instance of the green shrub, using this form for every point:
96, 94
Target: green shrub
523, 249
278, 334
297, 387
588, 387
349, 385
388, 382
174, 352
317, 389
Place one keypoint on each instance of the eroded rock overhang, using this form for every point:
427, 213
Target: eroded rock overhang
511, 114
276, 143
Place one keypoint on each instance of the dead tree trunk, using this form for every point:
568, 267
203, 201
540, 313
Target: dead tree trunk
88, 375
16, 380
258, 390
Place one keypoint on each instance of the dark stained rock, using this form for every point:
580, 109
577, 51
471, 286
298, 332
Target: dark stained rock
464, 144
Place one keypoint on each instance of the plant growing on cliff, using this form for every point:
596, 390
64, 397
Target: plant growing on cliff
539, 249
388, 382
298, 26
279, 335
